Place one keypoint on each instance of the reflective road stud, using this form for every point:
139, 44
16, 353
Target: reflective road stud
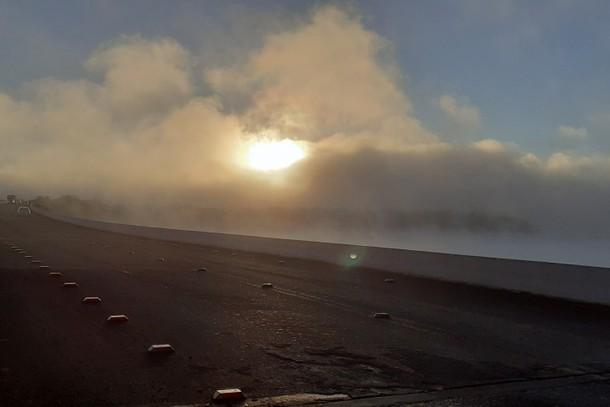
70, 284
267, 285
381, 315
228, 395
161, 348
91, 300
54, 274
117, 318
201, 269
44, 267
27, 257
388, 280
35, 262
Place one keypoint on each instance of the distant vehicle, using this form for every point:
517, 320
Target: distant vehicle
24, 211
12, 199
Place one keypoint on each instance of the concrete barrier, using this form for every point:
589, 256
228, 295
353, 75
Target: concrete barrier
573, 282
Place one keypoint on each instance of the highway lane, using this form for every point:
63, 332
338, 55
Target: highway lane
312, 332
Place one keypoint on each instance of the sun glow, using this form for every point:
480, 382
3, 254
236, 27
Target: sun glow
271, 155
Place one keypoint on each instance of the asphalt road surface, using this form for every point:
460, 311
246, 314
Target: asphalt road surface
445, 344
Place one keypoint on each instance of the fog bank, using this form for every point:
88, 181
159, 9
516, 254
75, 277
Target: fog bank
155, 136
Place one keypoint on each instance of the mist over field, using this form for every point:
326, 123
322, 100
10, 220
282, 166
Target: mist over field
443, 231
154, 134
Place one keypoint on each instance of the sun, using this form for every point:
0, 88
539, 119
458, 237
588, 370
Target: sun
271, 155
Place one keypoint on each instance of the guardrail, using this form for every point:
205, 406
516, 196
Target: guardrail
572, 282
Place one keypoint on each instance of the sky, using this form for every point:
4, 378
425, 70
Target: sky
498, 109
528, 68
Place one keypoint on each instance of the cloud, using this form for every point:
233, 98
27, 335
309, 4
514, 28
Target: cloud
324, 79
461, 113
489, 145
141, 75
568, 133
74, 128
142, 132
